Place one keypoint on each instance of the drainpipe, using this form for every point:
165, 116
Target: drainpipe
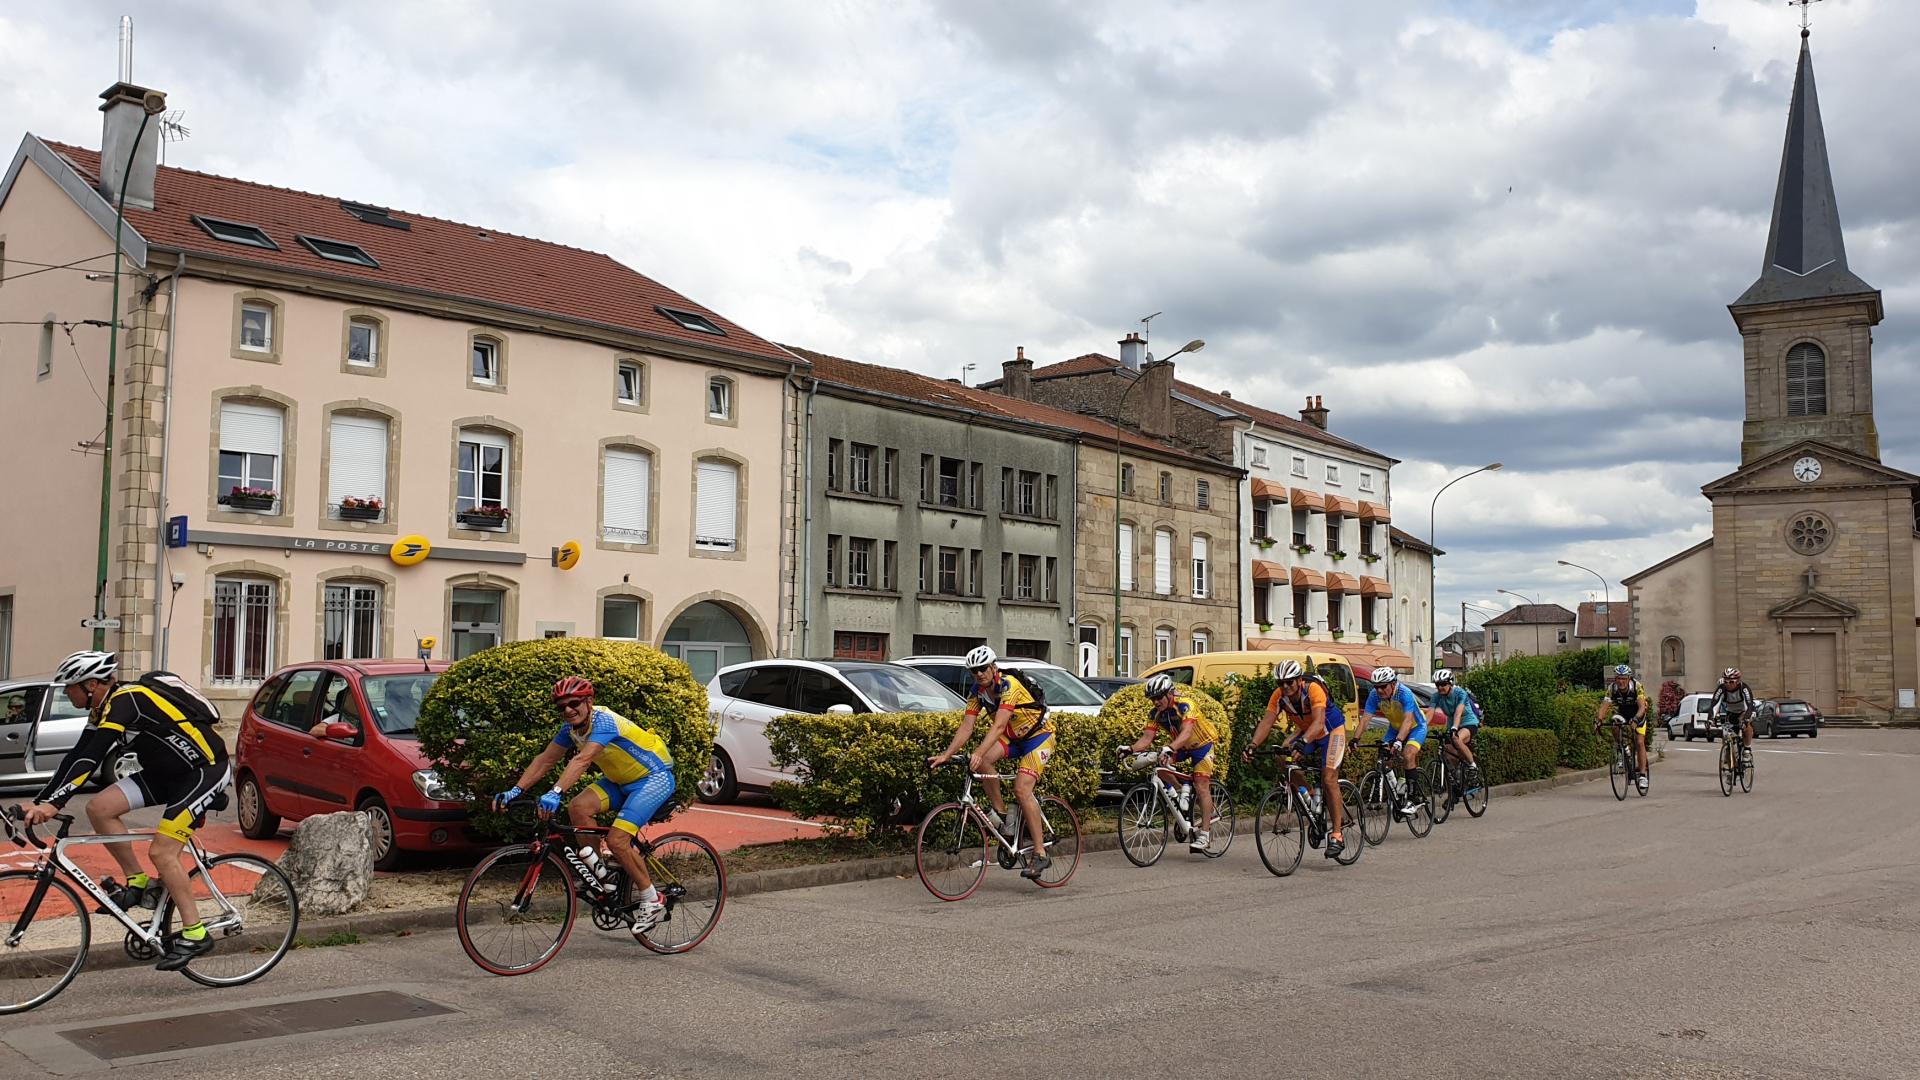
1244, 578
805, 585
162, 588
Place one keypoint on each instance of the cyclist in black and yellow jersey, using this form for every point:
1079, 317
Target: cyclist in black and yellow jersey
183, 767
1626, 699
1018, 728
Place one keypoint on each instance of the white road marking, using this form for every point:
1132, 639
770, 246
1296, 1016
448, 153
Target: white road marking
757, 817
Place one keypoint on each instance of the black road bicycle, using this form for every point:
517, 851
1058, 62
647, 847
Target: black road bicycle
1623, 768
1383, 794
1293, 815
1736, 760
1452, 780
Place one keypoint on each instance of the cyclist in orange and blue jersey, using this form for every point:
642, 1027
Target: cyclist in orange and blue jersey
636, 776
1019, 729
1191, 738
1407, 728
1319, 728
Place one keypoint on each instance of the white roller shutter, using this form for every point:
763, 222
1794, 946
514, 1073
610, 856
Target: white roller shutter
251, 429
624, 501
713, 521
1126, 556
357, 459
1162, 561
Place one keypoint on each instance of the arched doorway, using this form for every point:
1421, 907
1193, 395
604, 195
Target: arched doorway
708, 637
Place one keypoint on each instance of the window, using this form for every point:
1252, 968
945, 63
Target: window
1496, 637
1200, 568
1126, 478
1300, 528
1302, 610
1202, 641
256, 327
1006, 574
620, 618
1333, 474
1162, 646
719, 398
626, 497
926, 566
234, 232
860, 462
357, 467
476, 618
627, 387
718, 488
1257, 457
889, 565
817, 691
1052, 580
374, 215
243, 630
1260, 520
1673, 657
1369, 608
1089, 649
976, 477
1366, 481
1203, 494
850, 645
1126, 556
689, 320
350, 622
1163, 561
1806, 380
890, 474
337, 251
859, 563
833, 464
1336, 611
251, 442
833, 560
1026, 493
481, 471
363, 342
974, 584
950, 583
1052, 496
1333, 533
1166, 487
45, 366
1563, 637
1262, 606
1126, 652
485, 366
952, 471
1299, 465
1027, 583
1366, 538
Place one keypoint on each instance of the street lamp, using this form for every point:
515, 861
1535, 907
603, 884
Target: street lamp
1522, 596
1606, 590
1434, 551
1119, 410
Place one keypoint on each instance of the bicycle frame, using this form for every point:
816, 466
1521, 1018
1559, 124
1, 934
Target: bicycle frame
967, 800
56, 861
1172, 778
600, 892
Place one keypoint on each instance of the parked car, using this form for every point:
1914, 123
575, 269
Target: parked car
742, 698
338, 735
1219, 666
1691, 721
1108, 685
1791, 717
38, 725
1065, 691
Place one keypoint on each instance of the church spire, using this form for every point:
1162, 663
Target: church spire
1806, 254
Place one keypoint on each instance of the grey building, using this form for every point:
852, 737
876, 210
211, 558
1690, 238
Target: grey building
933, 521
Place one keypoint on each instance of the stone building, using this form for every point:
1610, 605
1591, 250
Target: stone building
1808, 582
1530, 630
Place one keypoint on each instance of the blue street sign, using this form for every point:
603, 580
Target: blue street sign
177, 531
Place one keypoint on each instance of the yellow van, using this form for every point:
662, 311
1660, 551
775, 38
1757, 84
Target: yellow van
1216, 666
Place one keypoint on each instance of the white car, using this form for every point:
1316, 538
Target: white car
742, 698
1691, 721
1063, 689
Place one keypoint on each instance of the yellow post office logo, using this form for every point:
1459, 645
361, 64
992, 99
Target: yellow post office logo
409, 550
567, 555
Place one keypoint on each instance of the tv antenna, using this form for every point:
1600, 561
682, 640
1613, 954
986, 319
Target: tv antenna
173, 129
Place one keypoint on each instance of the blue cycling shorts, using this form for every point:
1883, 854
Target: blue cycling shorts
638, 801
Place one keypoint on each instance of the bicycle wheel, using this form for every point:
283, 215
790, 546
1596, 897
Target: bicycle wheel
251, 912
1280, 832
1143, 825
47, 943
1617, 772
693, 884
1063, 841
1439, 775
1225, 819
1746, 772
516, 910
1376, 803
1475, 791
1727, 766
951, 852
1356, 814
1420, 822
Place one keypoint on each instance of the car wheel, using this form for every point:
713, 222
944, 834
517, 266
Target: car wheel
720, 783
256, 821
386, 854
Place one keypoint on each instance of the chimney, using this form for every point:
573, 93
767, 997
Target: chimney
1156, 399
126, 107
1016, 375
1315, 413
1133, 351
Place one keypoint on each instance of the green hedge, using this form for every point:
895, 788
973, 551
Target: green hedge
1510, 755
1517, 692
1580, 746
487, 717
1588, 669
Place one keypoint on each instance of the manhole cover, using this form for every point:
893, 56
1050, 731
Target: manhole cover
202, 1030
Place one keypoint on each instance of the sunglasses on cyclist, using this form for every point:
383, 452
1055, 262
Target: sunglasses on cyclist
568, 705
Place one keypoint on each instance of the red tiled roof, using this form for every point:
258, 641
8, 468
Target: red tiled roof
440, 257
1593, 622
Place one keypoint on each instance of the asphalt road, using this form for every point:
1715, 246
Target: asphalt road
1564, 935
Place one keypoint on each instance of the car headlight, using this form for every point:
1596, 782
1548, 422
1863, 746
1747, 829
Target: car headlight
429, 784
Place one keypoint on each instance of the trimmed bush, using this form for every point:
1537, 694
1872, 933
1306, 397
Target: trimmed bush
1518, 691
1510, 755
487, 717
1580, 746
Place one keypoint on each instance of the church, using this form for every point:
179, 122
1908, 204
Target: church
1807, 585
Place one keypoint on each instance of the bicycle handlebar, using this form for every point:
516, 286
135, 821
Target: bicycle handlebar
17, 827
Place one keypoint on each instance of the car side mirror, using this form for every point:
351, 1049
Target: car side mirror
839, 710
342, 732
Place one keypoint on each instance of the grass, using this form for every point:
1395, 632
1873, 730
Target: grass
338, 937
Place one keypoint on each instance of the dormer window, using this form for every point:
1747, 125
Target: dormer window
337, 251
689, 320
374, 215
234, 232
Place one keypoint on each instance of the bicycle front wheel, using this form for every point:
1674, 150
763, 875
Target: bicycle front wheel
1728, 763
1746, 770
1225, 819
1280, 833
693, 884
951, 852
1374, 806
516, 910
1617, 773
251, 912
1143, 825
1357, 814
1063, 842
1439, 775
47, 938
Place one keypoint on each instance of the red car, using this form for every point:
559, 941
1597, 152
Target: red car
306, 747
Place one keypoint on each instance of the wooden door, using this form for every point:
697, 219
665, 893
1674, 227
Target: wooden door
1814, 676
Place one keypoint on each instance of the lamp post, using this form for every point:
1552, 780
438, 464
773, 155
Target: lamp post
1432, 511
1606, 590
1119, 409
1522, 596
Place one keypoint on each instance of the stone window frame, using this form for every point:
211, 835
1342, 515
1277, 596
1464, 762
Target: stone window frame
1213, 563
282, 629
254, 394
652, 546
732, 418
1673, 663
481, 579
516, 467
353, 574
643, 404
499, 339
1129, 633
740, 531
1172, 633
389, 526
624, 591
383, 341
276, 328
1203, 630
1790, 528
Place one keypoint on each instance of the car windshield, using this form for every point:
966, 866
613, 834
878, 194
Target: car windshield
902, 689
1795, 707
1059, 687
395, 700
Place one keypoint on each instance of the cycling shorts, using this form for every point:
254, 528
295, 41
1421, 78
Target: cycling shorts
1417, 737
1029, 755
1199, 759
637, 801
187, 796
1329, 749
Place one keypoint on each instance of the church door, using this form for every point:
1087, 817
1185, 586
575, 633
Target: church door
1813, 675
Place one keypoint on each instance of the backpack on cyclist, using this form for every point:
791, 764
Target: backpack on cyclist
1479, 710
176, 692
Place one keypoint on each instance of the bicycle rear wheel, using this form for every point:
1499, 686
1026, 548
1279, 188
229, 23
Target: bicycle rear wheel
1280, 832
1728, 763
251, 913
1143, 825
1063, 841
951, 852
1225, 819
516, 910
1376, 803
693, 884
1746, 770
1439, 775
50, 924
1356, 812
1475, 791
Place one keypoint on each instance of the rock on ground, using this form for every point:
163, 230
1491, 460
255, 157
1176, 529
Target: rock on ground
330, 860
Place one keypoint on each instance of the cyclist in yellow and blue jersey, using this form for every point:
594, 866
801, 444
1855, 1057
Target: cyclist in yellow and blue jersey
1406, 731
636, 777
1191, 737
1019, 729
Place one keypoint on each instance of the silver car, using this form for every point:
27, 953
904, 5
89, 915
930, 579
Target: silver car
38, 725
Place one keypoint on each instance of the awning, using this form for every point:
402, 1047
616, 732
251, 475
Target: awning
1340, 504
1365, 657
1269, 490
1304, 578
1268, 572
1373, 586
1373, 512
1343, 583
1307, 500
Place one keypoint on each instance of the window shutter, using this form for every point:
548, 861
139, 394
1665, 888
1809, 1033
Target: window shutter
1126, 556
1162, 561
624, 500
357, 459
251, 429
719, 484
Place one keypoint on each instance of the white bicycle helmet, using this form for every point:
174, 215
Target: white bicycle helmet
1288, 671
1385, 676
85, 665
1622, 671
1159, 686
980, 657
1443, 677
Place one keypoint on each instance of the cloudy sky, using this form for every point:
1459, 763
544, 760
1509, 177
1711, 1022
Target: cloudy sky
1481, 229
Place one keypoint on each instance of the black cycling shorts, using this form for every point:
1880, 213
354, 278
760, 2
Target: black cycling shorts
187, 796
